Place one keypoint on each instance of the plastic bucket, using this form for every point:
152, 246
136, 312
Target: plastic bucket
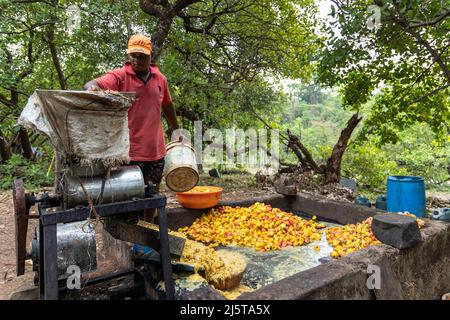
406, 193
380, 203
441, 214
363, 201
180, 167
200, 200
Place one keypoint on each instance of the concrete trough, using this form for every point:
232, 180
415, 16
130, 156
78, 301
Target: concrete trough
420, 272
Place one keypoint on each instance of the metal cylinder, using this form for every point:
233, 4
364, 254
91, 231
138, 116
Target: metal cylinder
75, 246
123, 184
180, 167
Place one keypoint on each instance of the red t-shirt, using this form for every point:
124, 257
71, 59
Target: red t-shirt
144, 116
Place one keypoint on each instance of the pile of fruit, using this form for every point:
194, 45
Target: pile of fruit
201, 189
351, 237
259, 226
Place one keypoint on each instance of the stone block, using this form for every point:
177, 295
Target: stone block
396, 230
285, 185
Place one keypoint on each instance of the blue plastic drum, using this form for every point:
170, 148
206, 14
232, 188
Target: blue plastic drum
406, 193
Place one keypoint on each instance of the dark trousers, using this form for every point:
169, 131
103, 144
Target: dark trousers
152, 172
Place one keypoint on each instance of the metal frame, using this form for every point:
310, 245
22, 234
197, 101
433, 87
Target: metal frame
48, 276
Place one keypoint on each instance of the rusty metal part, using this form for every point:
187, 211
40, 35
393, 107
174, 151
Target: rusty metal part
143, 233
21, 211
48, 240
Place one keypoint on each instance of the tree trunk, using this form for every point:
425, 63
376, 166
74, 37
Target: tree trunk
25, 143
5, 152
333, 168
295, 144
159, 36
165, 11
55, 57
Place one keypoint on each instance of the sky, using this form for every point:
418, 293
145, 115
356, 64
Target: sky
324, 7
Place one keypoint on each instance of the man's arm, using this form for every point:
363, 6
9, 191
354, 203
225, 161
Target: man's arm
171, 117
108, 81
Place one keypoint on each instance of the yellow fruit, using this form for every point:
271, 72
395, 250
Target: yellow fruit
259, 226
350, 238
202, 189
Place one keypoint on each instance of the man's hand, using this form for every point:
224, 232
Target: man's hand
177, 135
92, 86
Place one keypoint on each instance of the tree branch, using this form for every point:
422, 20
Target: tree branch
153, 8
6, 102
55, 58
182, 4
436, 20
432, 92
404, 23
294, 140
212, 17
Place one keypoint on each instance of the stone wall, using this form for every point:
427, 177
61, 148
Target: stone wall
421, 272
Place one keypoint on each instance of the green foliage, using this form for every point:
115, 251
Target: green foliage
418, 153
421, 154
318, 122
273, 37
34, 173
404, 63
369, 166
316, 116
219, 76
227, 74
231, 182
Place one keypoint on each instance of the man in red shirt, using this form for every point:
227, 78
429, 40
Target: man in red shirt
139, 75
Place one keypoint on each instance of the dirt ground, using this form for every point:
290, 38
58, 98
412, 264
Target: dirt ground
10, 283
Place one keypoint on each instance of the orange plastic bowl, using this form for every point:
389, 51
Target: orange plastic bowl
200, 200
